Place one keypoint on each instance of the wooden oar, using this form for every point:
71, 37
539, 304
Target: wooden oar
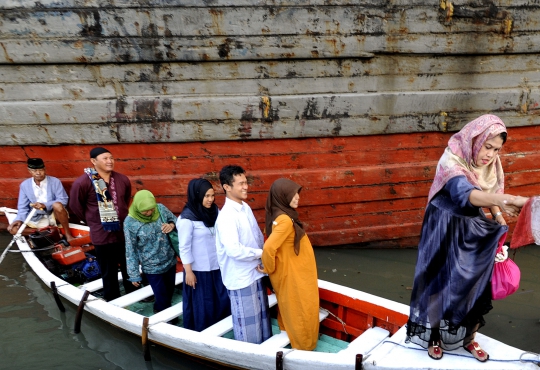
19, 232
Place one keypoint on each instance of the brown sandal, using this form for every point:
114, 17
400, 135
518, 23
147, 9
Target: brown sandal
478, 353
435, 345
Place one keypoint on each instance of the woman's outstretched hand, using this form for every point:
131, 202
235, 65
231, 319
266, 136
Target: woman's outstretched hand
519, 201
512, 204
506, 204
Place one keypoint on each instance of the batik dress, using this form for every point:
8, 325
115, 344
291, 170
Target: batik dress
149, 247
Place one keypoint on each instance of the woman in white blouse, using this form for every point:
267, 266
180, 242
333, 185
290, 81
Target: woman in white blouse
205, 298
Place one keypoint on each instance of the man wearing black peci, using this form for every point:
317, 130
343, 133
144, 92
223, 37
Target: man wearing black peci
100, 198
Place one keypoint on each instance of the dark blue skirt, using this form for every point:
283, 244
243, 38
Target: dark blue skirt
452, 287
208, 303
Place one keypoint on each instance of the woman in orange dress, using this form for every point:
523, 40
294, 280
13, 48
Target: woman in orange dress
289, 261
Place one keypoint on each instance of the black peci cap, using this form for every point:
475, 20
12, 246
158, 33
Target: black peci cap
97, 151
35, 163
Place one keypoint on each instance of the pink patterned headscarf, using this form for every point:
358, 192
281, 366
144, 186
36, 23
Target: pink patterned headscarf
460, 155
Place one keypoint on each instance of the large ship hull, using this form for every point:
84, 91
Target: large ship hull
354, 100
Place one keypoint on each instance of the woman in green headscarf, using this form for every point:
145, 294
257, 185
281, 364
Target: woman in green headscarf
148, 245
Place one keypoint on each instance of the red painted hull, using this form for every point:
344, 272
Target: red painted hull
369, 191
356, 316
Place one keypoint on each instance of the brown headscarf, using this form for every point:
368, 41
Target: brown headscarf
280, 196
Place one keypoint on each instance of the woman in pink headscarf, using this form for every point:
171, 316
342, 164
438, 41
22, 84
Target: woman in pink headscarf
451, 290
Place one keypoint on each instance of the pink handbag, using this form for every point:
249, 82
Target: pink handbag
506, 276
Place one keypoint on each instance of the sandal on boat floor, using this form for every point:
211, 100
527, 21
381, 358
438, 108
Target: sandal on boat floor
478, 353
435, 346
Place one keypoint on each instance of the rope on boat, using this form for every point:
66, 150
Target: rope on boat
520, 359
530, 353
32, 250
86, 300
337, 318
95, 299
58, 286
159, 322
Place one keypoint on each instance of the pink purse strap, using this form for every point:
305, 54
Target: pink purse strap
501, 242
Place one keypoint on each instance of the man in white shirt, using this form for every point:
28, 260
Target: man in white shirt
239, 243
44, 193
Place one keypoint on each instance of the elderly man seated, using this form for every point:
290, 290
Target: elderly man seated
47, 195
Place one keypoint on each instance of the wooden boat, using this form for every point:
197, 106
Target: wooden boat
357, 330
353, 99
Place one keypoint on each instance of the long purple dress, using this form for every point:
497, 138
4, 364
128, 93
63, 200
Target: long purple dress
454, 267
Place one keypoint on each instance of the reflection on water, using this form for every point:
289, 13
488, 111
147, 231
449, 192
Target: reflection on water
389, 273
36, 335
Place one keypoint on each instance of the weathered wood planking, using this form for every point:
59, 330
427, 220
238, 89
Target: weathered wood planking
87, 34
148, 22
442, 69
266, 78
127, 120
368, 190
55, 4
220, 100
244, 100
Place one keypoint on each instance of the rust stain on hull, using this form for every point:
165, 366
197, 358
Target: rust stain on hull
6, 54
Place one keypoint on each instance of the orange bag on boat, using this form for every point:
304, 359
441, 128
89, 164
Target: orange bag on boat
69, 255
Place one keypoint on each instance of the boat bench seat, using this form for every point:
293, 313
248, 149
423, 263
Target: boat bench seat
167, 314
141, 294
282, 339
226, 325
96, 284
367, 341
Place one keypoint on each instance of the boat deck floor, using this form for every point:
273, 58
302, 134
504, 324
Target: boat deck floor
223, 328
394, 352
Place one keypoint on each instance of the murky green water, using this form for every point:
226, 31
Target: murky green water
35, 335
